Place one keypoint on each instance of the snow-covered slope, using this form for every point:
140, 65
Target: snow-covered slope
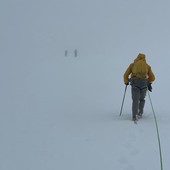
64, 114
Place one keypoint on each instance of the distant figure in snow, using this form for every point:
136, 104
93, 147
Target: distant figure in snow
141, 78
75, 53
66, 53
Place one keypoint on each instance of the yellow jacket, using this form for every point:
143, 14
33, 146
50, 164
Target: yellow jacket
150, 74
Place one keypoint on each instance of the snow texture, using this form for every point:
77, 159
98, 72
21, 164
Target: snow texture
61, 69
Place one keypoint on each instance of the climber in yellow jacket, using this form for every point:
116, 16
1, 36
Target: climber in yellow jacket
139, 74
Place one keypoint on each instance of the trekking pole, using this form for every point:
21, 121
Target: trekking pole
159, 142
123, 100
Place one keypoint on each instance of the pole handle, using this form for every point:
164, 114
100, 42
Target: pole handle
123, 100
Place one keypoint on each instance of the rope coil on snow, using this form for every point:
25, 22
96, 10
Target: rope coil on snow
157, 131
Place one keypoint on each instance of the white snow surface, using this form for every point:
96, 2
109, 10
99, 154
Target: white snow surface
62, 112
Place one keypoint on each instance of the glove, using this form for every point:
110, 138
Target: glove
150, 87
126, 82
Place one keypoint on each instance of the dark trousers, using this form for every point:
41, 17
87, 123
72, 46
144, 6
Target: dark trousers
138, 100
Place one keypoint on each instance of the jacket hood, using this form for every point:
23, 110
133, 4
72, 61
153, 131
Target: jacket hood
140, 57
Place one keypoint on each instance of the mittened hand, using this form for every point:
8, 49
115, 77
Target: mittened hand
150, 87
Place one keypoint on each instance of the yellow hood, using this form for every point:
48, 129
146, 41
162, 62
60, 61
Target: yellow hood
140, 57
